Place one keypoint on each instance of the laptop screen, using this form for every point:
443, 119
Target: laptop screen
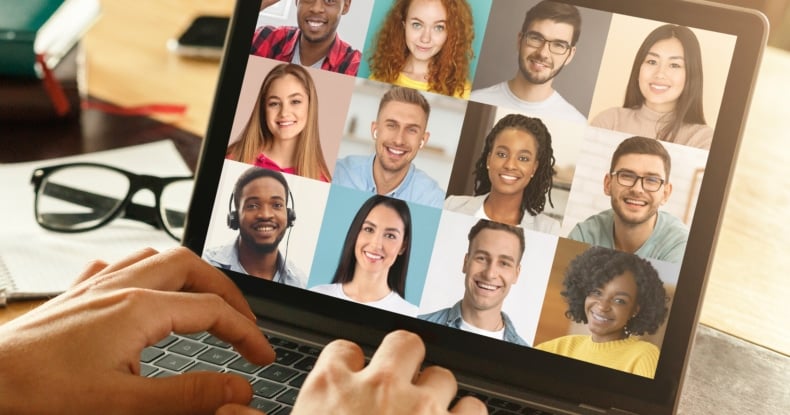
543, 179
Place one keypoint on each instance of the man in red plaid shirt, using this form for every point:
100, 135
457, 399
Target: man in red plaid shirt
314, 43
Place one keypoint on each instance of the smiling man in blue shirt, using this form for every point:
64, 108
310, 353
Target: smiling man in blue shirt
491, 267
399, 133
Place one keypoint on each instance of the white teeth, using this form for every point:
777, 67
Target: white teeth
636, 202
264, 228
659, 87
599, 318
286, 123
508, 177
373, 256
396, 152
489, 287
315, 24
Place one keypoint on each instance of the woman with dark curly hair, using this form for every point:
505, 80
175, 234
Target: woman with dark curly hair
513, 176
617, 295
425, 45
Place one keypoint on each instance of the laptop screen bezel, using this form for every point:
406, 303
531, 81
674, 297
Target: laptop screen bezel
517, 367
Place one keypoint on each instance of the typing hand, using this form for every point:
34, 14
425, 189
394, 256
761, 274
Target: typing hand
79, 353
390, 385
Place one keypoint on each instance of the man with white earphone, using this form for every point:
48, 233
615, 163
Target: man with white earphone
399, 133
259, 209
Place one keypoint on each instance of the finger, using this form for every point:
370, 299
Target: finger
469, 405
191, 313
236, 409
93, 268
400, 353
340, 354
178, 269
190, 393
129, 260
440, 382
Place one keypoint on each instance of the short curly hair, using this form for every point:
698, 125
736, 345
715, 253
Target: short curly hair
597, 266
539, 188
448, 70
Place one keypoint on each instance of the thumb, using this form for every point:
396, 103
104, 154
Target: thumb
195, 393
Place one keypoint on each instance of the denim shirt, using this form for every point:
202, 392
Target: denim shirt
451, 317
227, 257
356, 172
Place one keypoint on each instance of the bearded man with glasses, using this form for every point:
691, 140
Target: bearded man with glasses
545, 44
637, 184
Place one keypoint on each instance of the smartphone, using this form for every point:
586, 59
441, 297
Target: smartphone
204, 38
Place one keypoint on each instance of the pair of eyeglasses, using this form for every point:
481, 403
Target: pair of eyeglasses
629, 179
536, 40
78, 197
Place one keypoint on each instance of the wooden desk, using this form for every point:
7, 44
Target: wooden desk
127, 61
747, 292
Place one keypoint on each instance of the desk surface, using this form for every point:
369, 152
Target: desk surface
747, 292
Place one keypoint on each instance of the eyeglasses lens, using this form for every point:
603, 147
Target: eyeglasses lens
173, 205
79, 197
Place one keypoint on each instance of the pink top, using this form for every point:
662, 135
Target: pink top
267, 163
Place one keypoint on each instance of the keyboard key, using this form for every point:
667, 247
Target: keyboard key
306, 364
503, 412
249, 378
267, 389
164, 374
149, 354
286, 357
216, 356
216, 341
205, 367
285, 410
173, 362
289, 397
242, 365
264, 405
312, 351
277, 341
277, 373
147, 370
186, 347
195, 336
166, 341
298, 381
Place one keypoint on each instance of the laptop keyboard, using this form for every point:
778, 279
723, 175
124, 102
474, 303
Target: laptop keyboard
275, 386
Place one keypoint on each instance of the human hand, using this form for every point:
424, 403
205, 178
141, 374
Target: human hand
79, 353
391, 384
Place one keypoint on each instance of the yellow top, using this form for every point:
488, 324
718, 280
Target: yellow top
629, 355
407, 82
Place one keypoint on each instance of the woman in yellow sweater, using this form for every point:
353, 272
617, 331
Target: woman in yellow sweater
617, 295
426, 45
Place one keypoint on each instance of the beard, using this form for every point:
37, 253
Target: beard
262, 248
534, 78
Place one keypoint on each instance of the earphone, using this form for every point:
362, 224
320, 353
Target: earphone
375, 134
290, 213
422, 143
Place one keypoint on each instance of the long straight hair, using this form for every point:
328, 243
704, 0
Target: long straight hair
688, 109
257, 136
396, 276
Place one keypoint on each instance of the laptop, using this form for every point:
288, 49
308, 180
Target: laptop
510, 376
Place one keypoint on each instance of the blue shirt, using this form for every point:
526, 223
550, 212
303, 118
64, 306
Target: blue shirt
227, 257
667, 242
451, 317
356, 172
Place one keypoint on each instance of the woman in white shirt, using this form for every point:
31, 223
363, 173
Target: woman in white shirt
513, 176
374, 260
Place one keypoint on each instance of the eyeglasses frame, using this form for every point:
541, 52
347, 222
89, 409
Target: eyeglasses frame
127, 208
640, 179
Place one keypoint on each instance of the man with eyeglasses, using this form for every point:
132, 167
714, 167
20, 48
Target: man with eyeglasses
546, 43
637, 184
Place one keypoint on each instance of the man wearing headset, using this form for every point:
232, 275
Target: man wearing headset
259, 211
399, 132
